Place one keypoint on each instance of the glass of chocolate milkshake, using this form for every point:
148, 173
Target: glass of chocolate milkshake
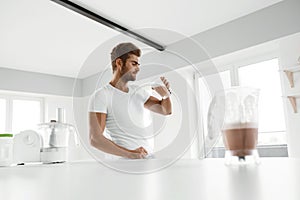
238, 107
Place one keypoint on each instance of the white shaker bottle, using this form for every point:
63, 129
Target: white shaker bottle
6, 149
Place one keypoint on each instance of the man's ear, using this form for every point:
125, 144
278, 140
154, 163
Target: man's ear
119, 63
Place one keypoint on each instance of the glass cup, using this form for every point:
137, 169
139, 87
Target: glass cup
157, 82
235, 111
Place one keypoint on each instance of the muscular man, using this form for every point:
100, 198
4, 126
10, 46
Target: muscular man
120, 108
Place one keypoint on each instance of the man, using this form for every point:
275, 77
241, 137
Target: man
119, 108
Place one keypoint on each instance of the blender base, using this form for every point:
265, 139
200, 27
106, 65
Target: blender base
54, 155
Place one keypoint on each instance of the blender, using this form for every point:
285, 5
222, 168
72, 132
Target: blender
55, 138
233, 112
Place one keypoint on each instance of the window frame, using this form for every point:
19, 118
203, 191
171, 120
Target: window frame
9, 97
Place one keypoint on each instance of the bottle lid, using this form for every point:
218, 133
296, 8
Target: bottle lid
6, 135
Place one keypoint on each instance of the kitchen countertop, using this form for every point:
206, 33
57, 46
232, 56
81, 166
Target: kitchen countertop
274, 178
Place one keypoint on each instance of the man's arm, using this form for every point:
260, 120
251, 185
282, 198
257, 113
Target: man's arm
163, 106
97, 123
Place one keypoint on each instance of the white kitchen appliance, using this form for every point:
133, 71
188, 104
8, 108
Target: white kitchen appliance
6, 149
48, 145
27, 145
55, 138
55, 141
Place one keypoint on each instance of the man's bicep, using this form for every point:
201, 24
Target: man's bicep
153, 104
151, 101
97, 121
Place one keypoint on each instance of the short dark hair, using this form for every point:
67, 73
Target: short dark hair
123, 51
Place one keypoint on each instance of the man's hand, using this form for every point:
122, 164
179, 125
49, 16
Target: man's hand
163, 91
165, 81
138, 153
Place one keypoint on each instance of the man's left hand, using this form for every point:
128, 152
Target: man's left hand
163, 91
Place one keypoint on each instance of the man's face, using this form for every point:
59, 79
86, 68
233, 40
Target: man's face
130, 68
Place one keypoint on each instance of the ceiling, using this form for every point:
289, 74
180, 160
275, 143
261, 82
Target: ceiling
41, 36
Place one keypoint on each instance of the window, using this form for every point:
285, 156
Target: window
265, 76
26, 114
18, 113
2, 115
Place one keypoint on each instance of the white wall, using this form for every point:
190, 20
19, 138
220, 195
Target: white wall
289, 54
22, 81
80, 112
54, 102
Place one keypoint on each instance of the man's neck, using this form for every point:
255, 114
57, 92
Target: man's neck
120, 84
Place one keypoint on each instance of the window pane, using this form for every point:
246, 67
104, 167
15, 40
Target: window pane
205, 96
2, 115
26, 115
265, 76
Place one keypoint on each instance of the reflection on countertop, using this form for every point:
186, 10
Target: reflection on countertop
274, 178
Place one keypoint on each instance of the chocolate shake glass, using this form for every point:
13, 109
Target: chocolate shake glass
237, 108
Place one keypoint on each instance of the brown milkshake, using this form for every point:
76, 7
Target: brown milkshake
240, 140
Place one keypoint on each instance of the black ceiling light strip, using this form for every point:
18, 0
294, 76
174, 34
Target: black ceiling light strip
87, 13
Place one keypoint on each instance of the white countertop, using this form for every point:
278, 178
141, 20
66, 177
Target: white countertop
274, 178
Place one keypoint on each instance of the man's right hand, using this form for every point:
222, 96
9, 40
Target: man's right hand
138, 153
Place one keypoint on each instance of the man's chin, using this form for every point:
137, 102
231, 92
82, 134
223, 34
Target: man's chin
129, 77
133, 78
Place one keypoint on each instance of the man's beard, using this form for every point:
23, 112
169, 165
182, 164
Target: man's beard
127, 75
